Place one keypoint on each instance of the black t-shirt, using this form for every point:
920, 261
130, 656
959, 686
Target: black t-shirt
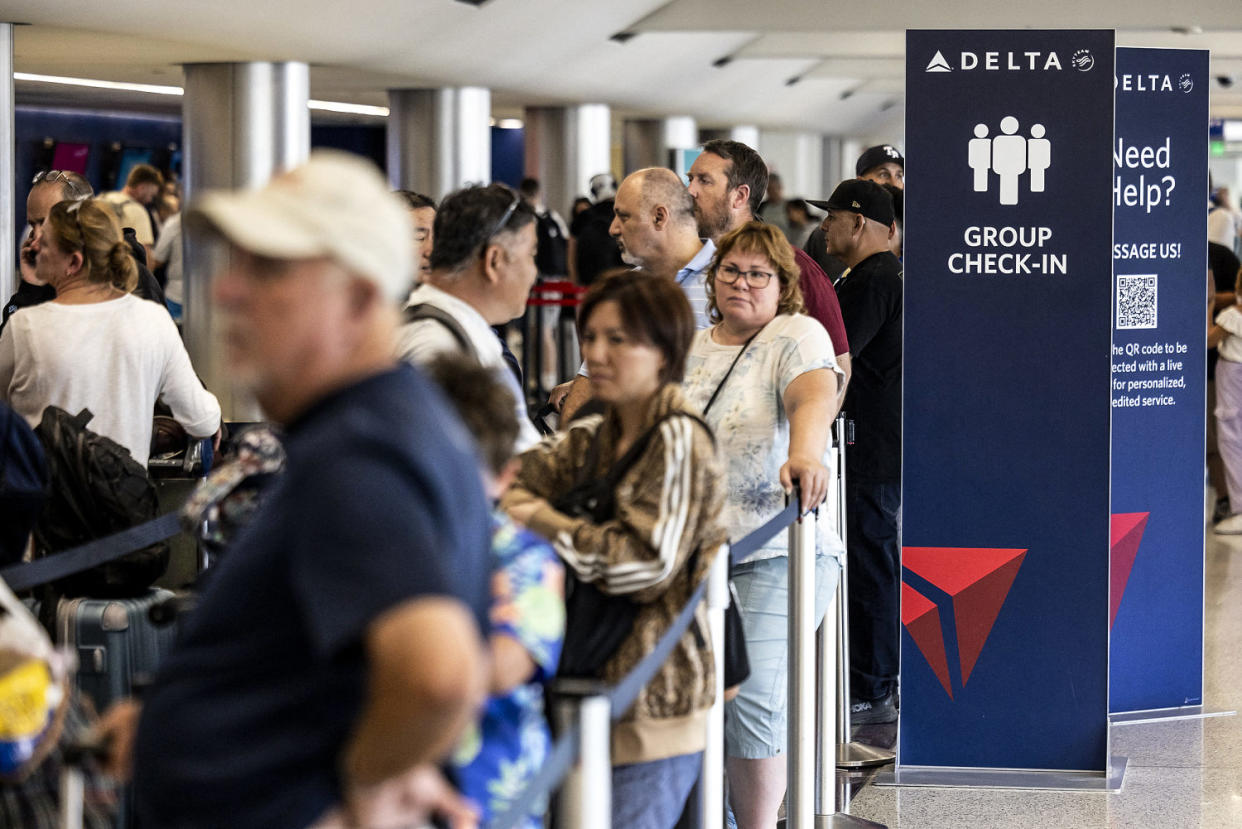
380, 502
595, 250
817, 249
1224, 266
870, 298
26, 296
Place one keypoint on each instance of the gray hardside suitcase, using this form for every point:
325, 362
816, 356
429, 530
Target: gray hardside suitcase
115, 643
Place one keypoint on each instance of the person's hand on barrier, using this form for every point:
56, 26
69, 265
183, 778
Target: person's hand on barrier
559, 393
118, 727
409, 799
811, 475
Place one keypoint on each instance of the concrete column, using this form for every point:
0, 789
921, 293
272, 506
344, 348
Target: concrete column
651, 142
439, 139
832, 171
8, 215
565, 146
243, 122
798, 157
746, 134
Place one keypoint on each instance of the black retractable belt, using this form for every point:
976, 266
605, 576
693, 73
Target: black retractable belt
68, 562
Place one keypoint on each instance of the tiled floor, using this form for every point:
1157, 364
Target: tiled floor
1180, 774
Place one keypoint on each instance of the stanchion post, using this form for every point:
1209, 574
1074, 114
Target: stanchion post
585, 798
850, 754
800, 751
711, 782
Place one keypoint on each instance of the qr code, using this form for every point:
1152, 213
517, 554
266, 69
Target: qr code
1136, 301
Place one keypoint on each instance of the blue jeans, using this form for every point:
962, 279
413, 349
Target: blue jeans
873, 513
652, 795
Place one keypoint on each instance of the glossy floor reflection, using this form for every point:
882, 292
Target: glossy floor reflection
1181, 774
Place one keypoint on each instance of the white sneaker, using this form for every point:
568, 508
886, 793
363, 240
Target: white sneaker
1229, 526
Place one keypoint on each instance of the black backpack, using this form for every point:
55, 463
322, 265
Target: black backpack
596, 623
97, 489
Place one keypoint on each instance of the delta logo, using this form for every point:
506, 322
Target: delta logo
1032, 61
975, 583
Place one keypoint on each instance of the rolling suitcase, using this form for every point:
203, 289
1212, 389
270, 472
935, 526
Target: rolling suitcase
115, 643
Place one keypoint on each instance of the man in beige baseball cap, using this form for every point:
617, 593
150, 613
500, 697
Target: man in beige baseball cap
335, 655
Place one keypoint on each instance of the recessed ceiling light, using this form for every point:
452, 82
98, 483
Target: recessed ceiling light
154, 89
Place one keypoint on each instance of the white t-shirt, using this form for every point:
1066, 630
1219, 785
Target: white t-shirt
422, 341
114, 358
1222, 225
1230, 348
748, 417
168, 249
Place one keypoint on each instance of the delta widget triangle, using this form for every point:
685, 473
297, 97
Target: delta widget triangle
921, 618
938, 63
1127, 533
978, 580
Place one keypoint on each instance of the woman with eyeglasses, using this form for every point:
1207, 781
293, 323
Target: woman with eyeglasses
97, 346
765, 378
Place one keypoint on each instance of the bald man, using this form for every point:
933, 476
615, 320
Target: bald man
654, 226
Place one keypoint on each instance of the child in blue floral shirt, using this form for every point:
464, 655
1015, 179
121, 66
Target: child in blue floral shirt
502, 752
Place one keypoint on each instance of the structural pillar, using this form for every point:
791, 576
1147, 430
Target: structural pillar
744, 133
654, 142
798, 158
565, 146
8, 214
833, 170
242, 123
439, 139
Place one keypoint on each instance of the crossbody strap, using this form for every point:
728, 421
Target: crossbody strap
427, 311
732, 365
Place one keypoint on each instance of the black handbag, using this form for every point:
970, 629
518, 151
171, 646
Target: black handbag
596, 623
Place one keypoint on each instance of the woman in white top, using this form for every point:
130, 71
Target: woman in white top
766, 379
97, 346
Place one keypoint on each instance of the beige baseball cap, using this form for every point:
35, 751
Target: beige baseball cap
335, 205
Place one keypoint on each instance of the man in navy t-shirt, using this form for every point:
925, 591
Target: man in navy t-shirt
337, 647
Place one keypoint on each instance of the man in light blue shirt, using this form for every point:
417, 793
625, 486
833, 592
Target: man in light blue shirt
654, 226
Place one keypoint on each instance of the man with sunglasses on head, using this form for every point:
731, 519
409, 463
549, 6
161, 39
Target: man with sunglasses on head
48, 188
482, 270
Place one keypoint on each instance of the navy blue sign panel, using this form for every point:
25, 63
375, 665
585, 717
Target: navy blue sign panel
1160, 178
1008, 303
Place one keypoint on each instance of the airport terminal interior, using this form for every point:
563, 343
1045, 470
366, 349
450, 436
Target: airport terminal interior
446, 96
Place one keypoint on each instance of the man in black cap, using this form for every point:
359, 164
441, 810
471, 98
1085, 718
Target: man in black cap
858, 228
882, 164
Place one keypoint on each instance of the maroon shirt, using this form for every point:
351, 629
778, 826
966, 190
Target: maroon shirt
821, 300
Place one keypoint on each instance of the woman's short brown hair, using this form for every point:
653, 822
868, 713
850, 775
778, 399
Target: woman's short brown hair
90, 227
653, 309
765, 240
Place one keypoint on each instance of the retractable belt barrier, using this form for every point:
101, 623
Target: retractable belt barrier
69, 562
564, 752
109, 548
620, 697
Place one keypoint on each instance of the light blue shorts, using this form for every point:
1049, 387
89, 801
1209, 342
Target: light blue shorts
755, 721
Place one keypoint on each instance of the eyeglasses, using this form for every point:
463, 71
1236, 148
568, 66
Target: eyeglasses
508, 214
755, 279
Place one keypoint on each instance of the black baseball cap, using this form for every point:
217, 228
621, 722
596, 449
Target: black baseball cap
860, 196
873, 157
